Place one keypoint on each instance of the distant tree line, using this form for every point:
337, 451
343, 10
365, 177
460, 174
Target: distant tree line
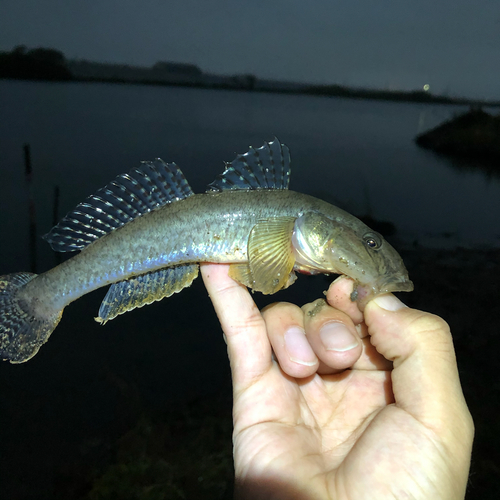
34, 64
50, 64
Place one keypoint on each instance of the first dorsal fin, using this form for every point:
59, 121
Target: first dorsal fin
145, 188
267, 167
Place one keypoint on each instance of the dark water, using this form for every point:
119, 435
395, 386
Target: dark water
357, 154
89, 382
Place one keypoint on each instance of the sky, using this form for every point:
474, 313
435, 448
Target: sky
451, 45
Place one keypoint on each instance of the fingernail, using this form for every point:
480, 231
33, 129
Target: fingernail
337, 337
389, 302
298, 348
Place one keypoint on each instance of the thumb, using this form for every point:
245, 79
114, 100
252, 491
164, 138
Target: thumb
425, 377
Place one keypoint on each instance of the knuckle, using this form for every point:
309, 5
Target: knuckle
430, 323
243, 323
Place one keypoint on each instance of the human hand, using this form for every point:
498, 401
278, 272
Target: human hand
378, 413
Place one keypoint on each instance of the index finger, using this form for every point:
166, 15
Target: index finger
339, 297
248, 346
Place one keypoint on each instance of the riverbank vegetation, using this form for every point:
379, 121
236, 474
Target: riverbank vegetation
473, 135
34, 64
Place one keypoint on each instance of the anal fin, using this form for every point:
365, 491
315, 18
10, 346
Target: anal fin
145, 289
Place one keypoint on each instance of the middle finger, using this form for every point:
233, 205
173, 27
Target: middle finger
332, 335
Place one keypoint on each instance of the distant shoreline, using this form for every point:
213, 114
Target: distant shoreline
43, 64
313, 90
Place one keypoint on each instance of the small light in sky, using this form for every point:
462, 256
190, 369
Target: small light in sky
426, 87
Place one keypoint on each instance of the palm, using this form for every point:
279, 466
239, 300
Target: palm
367, 432
328, 429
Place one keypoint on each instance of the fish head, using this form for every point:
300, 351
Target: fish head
325, 245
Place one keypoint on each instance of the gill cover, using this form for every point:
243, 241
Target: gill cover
316, 243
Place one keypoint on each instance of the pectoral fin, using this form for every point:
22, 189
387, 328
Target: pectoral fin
270, 256
242, 274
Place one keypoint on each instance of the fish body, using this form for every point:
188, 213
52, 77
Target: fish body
146, 232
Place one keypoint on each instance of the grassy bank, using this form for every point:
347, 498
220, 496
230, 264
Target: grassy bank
472, 135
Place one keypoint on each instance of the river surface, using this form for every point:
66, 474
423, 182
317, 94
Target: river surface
358, 154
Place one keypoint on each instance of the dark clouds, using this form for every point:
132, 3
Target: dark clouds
454, 45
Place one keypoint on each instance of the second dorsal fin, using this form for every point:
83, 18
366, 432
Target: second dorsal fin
143, 189
267, 167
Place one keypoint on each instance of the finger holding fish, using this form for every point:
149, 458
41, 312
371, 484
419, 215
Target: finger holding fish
333, 336
338, 296
287, 335
313, 339
318, 338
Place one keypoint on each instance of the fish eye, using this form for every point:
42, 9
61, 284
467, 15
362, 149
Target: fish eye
372, 240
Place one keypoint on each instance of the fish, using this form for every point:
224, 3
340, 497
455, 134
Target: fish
146, 232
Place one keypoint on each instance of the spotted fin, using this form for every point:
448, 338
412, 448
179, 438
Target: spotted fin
267, 167
270, 256
145, 289
25, 325
128, 196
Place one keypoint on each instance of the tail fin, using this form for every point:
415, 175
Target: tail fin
23, 330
